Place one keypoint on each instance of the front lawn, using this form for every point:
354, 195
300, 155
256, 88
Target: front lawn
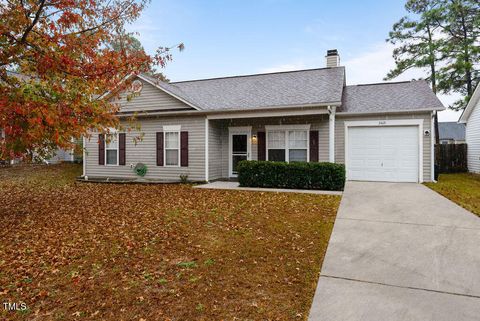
463, 189
88, 251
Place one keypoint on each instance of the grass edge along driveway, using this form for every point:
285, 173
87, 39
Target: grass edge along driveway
461, 188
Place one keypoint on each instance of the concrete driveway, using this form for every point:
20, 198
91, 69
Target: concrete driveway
400, 252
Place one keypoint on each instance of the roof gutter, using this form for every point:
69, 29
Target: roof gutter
339, 113
232, 110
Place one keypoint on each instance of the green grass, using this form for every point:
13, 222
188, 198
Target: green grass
463, 189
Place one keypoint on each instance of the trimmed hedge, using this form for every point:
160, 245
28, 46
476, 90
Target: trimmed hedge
298, 175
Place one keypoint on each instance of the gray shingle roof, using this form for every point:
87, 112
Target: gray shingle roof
385, 97
301, 88
304, 87
451, 130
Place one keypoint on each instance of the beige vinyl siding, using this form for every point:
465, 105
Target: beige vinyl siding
215, 150
473, 140
323, 139
319, 123
150, 98
340, 136
145, 151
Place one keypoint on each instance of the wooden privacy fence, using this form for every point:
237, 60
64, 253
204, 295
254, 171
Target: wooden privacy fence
451, 158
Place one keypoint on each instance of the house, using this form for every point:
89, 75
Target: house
451, 133
203, 128
471, 118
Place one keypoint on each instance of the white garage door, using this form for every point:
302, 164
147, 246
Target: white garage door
388, 154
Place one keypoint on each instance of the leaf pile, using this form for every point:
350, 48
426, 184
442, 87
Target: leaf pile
156, 252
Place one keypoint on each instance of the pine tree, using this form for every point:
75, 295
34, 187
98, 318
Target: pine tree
460, 23
418, 43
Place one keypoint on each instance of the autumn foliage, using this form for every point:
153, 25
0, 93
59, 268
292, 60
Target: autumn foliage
66, 55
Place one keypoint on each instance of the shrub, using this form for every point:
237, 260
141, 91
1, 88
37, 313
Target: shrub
184, 178
298, 175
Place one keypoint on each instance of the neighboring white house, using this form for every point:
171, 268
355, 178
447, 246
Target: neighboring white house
451, 132
471, 117
60, 156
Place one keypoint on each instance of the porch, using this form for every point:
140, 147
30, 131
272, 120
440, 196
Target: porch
307, 137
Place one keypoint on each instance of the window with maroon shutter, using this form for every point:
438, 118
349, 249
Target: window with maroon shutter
314, 146
261, 146
160, 149
121, 148
101, 149
184, 149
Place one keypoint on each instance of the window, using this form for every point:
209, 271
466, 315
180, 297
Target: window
111, 149
172, 148
276, 146
297, 145
287, 145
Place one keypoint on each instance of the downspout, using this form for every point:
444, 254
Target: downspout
206, 148
331, 133
432, 147
84, 160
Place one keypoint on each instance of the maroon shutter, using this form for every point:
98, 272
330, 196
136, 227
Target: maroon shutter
184, 149
314, 146
121, 148
160, 149
101, 149
262, 146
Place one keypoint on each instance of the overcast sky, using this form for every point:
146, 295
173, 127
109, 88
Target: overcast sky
236, 37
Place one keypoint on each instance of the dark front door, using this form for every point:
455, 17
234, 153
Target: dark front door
239, 150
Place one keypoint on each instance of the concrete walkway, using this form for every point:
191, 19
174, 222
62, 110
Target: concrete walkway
235, 186
400, 252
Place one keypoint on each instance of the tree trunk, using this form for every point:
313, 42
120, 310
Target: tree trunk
433, 79
468, 71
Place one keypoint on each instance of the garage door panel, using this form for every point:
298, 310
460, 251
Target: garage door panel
383, 154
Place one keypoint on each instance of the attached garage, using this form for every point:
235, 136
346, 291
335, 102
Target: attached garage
375, 151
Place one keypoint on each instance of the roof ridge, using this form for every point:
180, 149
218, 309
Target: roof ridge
385, 83
253, 75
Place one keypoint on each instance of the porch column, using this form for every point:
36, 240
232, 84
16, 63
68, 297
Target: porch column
206, 147
331, 134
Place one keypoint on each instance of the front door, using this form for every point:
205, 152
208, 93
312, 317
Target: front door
239, 149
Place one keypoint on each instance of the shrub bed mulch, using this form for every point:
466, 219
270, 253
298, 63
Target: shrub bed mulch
86, 251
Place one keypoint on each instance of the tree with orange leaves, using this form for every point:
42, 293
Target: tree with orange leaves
63, 53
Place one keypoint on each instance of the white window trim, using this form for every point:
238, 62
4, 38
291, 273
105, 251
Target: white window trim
112, 132
386, 122
171, 129
286, 129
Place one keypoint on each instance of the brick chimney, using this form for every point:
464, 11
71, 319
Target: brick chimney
332, 58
